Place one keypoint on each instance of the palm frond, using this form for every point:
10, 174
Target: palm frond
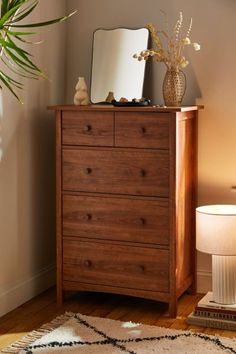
17, 59
8, 84
11, 66
19, 66
14, 33
8, 15
46, 23
25, 12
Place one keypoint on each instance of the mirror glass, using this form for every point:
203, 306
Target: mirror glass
113, 67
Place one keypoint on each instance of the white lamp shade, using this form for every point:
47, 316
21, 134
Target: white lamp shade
216, 229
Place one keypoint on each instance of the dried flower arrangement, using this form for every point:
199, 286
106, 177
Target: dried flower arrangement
171, 54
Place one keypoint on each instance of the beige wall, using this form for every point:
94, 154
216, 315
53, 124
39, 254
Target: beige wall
211, 80
27, 185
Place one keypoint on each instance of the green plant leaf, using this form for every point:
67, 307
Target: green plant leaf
13, 82
8, 14
12, 55
4, 7
5, 81
14, 46
24, 68
24, 13
28, 42
11, 44
18, 35
13, 33
13, 3
16, 71
47, 23
18, 60
23, 5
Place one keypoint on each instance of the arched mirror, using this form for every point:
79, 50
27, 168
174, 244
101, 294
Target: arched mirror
114, 70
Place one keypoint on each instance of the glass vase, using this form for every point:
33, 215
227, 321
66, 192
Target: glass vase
174, 86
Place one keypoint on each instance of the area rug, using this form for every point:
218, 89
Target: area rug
76, 333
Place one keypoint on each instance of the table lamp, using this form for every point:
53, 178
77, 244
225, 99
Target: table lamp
216, 235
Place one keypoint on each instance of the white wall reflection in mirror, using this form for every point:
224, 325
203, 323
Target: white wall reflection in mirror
113, 67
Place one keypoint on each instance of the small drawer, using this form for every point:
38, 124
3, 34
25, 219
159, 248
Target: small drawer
115, 265
139, 172
134, 220
142, 130
87, 128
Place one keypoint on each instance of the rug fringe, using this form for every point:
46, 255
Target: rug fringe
37, 334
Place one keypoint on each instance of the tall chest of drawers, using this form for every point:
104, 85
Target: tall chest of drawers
126, 189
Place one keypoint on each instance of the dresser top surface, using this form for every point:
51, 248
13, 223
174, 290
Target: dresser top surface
111, 108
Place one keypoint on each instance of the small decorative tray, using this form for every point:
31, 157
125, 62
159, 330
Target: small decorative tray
133, 103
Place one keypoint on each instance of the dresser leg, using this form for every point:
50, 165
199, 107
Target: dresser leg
192, 289
172, 310
59, 296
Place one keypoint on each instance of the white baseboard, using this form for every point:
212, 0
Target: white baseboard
44, 279
20, 293
204, 281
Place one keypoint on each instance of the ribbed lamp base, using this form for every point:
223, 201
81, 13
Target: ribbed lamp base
224, 279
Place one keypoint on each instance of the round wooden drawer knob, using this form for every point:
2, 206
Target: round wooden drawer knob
142, 173
88, 216
142, 221
88, 128
142, 268
88, 263
88, 171
143, 130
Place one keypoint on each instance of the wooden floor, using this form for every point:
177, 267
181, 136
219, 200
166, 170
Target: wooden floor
43, 308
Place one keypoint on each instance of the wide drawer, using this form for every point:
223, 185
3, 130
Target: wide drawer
87, 128
116, 265
142, 130
133, 172
134, 220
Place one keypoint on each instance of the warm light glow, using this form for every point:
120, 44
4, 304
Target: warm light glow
216, 229
218, 209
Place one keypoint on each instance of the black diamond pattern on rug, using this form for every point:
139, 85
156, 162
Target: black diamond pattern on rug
121, 344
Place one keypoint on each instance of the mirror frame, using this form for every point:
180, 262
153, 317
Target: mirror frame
92, 60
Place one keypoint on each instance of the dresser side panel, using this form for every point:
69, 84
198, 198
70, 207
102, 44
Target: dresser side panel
186, 181
58, 115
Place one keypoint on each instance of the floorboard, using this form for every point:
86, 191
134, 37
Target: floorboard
43, 308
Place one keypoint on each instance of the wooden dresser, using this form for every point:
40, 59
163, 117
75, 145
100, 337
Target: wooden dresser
126, 197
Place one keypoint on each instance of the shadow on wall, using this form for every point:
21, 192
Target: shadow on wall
35, 190
10, 117
210, 193
27, 210
193, 90
43, 188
